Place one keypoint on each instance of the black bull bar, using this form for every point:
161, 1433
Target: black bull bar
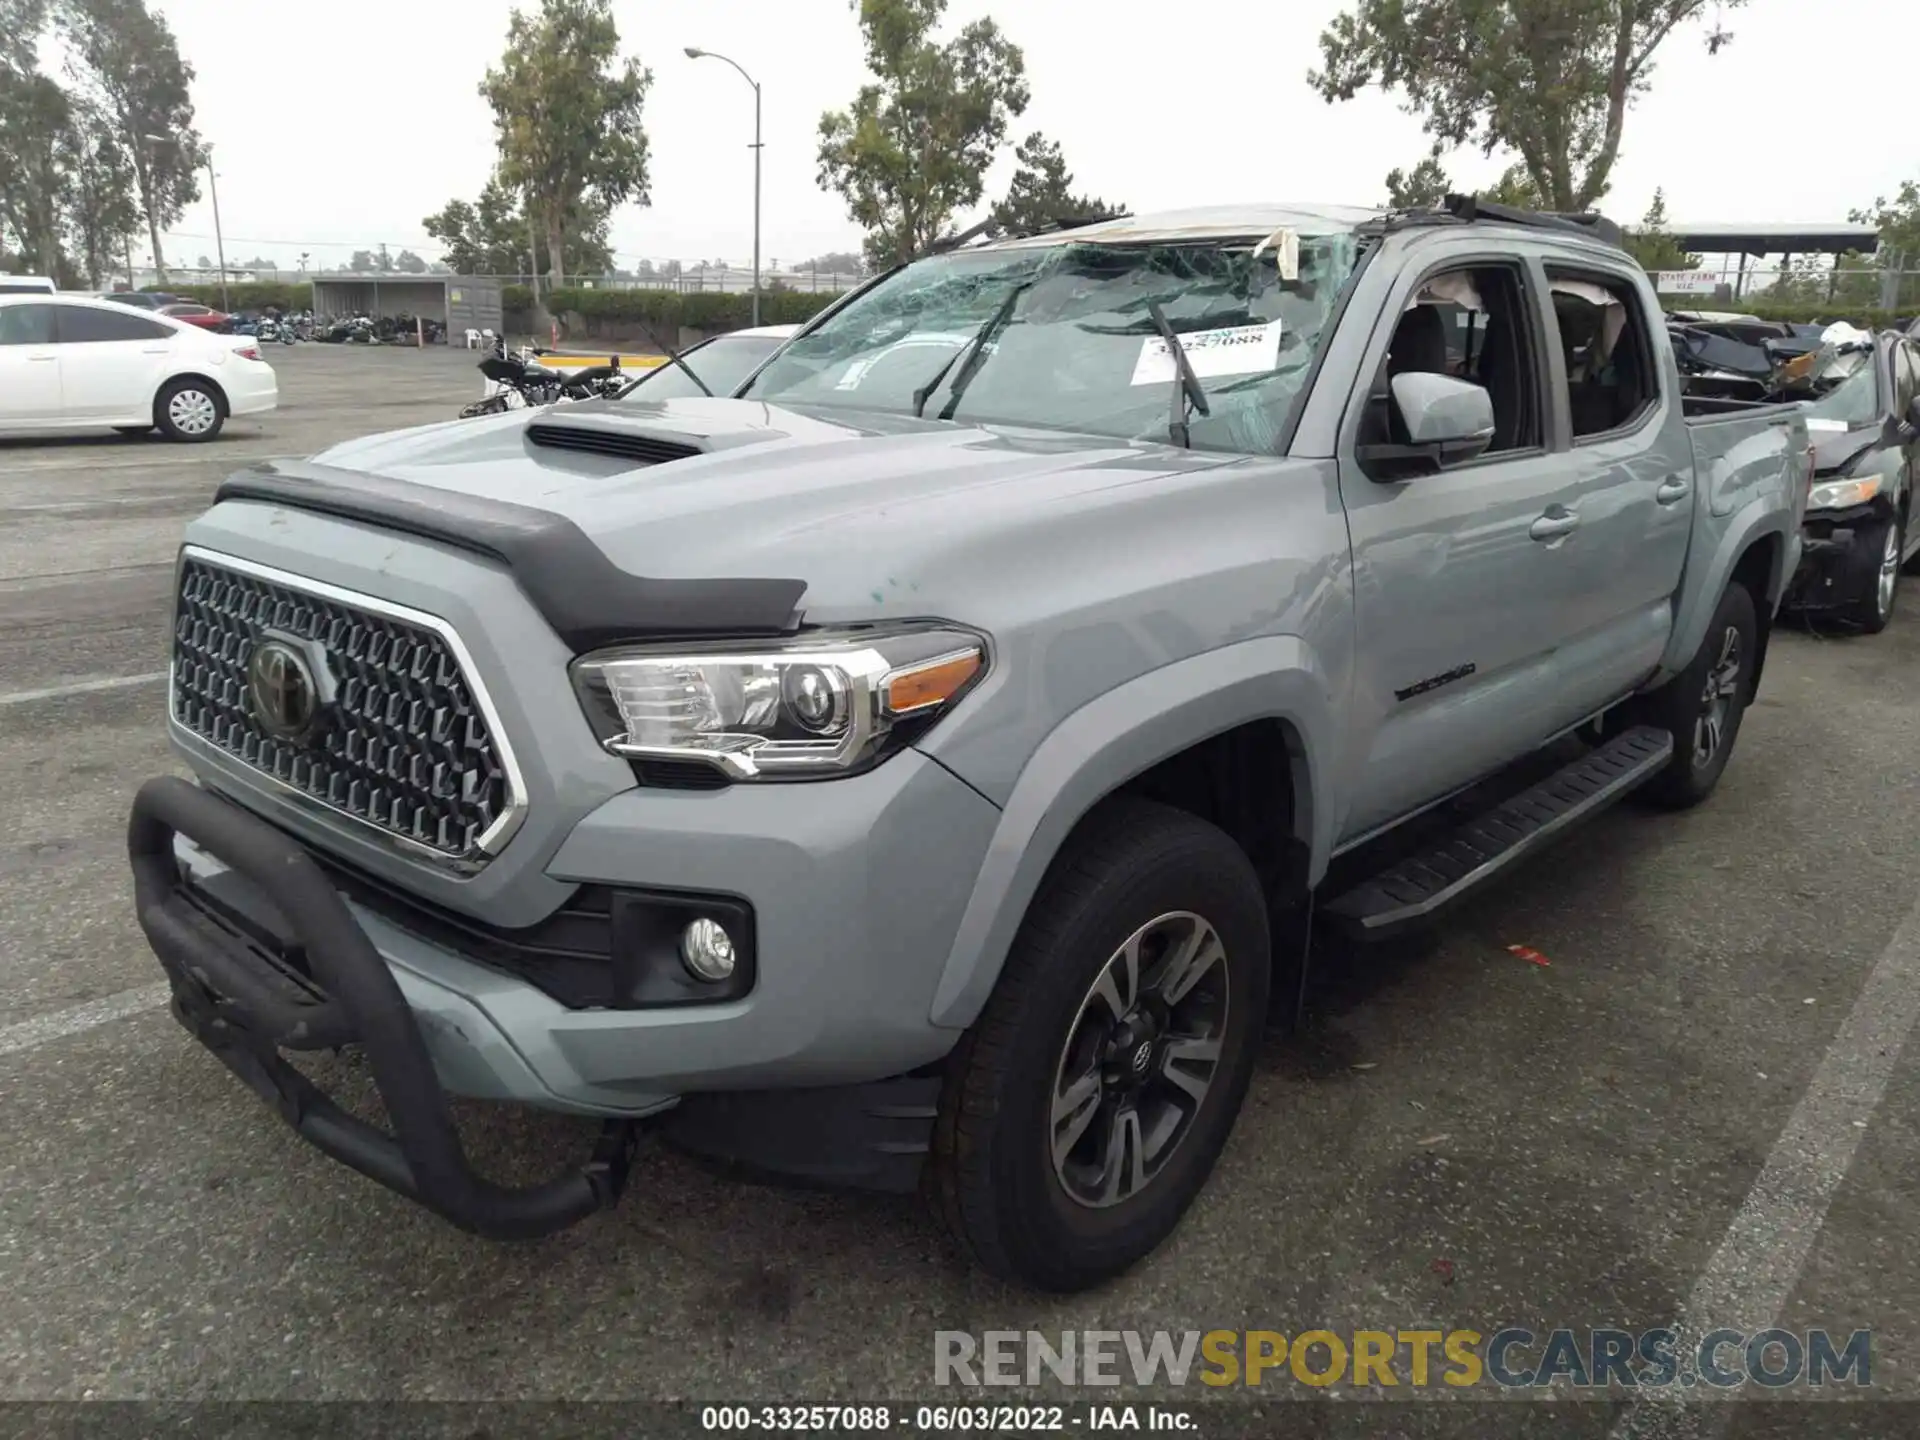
247, 1002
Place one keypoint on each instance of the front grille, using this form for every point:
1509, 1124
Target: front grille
404, 747
649, 449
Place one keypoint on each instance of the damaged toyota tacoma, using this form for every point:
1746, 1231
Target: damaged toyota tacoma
919, 768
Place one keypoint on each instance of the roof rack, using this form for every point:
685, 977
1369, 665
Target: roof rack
1595, 227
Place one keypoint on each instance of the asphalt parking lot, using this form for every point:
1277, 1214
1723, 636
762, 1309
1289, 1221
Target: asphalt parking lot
1699, 1107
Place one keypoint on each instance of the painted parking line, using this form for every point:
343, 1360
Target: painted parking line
71, 1021
82, 687
1759, 1260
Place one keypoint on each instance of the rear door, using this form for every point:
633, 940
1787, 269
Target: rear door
1461, 576
112, 360
29, 367
1632, 472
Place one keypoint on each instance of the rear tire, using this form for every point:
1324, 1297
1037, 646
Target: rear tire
189, 410
1702, 706
1080, 1116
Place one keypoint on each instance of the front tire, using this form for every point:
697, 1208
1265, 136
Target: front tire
189, 410
1088, 1103
1703, 705
1874, 609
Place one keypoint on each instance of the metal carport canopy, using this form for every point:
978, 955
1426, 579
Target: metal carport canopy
1776, 239
457, 301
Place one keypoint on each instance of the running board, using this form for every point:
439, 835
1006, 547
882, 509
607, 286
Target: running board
1416, 888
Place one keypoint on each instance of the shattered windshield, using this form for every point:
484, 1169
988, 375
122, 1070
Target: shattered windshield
1854, 401
1066, 339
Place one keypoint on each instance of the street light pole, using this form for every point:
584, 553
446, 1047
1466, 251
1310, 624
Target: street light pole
219, 244
695, 53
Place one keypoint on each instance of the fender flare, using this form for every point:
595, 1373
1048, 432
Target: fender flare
1756, 520
1107, 742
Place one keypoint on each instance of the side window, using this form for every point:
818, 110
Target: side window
1473, 324
26, 324
1906, 377
1612, 380
81, 325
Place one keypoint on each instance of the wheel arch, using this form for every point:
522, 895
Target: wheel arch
1208, 715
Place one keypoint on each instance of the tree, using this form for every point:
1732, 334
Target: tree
1041, 191
363, 262
834, 262
35, 120
1422, 188
567, 114
1898, 221
1653, 245
1549, 80
409, 263
914, 147
490, 237
129, 63
102, 204
1517, 187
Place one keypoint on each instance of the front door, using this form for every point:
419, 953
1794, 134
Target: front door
29, 368
111, 360
1460, 587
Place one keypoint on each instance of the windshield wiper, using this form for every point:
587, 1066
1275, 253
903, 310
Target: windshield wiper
673, 358
1186, 385
975, 352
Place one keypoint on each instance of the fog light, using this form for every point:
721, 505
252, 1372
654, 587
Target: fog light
707, 950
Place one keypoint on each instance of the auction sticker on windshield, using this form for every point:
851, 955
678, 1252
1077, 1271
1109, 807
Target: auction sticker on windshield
1235, 350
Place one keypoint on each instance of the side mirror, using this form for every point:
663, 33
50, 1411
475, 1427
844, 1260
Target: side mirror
1444, 420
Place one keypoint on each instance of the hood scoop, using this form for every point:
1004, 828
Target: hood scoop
621, 442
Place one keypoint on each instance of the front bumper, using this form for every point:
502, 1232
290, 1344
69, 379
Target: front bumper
1839, 558
247, 1001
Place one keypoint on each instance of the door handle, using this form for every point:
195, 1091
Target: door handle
1556, 524
43, 359
1674, 487
157, 350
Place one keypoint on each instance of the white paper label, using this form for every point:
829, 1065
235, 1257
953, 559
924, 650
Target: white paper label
1821, 423
1236, 350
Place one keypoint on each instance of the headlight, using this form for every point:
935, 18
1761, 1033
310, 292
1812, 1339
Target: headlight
823, 705
1842, 494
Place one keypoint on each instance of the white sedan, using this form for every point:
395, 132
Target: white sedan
68, 362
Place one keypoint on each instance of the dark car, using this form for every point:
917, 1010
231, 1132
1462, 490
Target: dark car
1865, 434
141, 299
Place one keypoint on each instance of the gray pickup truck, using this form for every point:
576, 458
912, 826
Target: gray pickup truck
920, 768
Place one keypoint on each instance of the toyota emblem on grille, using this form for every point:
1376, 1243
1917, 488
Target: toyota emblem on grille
280, 684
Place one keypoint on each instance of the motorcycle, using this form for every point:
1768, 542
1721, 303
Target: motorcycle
522, 382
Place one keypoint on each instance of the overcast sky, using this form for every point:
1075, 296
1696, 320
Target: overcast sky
339, 126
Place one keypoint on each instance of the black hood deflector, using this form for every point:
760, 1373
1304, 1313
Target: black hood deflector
587, 599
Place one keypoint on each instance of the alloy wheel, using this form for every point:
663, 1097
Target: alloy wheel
1717, 701
1141, 1054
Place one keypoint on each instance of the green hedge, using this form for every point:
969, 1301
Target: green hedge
668, 309
1796, 313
